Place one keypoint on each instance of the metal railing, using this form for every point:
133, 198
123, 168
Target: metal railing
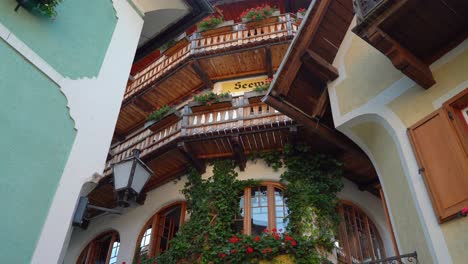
240, 36
402, 259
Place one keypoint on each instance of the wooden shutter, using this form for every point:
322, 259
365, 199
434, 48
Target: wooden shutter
443, 163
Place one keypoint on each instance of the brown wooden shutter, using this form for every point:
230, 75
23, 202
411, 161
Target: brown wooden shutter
443, 163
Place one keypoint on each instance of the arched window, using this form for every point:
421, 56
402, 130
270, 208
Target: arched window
101, 250
157, 233
261, 207
358, 238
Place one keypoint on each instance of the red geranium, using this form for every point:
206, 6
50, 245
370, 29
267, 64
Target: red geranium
221, 255
267, 250
257, 239
233, 251
265, 230
234, 240
464, 211
293, 243
250, 250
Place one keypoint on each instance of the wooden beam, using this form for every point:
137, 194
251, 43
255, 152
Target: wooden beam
389, 222
143, 105
322, 104
198, 164
293, 60
238, 152
319, 67
313, 125
202, 74
268, 62
401, 58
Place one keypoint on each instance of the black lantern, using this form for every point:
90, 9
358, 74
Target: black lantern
130, 175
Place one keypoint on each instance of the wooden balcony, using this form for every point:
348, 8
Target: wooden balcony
239, 53
412, 33
232, 132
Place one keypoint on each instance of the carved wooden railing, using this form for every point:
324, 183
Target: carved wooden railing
232, 119
240, 36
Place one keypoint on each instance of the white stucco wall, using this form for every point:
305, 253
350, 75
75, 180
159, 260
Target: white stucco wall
132, 221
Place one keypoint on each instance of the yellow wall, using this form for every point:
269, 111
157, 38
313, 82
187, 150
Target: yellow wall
417, 103
368, 73
239, 85
398, 194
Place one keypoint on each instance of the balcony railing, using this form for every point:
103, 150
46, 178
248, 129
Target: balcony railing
411, 258
240, 117
240, 36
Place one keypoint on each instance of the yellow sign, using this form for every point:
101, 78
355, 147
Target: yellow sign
242, 85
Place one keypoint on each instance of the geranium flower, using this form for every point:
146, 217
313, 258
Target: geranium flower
293, 243
233, 251
265, 230
257, 239
221, 255
234, 240
464, 211
250, 250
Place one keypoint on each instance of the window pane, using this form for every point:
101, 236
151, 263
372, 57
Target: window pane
239, 218
281, 211
259, 211
145, 241
115, 251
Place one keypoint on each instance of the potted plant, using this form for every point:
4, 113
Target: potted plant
300, 14
258, 92
161, 118
259, 15
42, 7
172, 46
210, 101
214, 25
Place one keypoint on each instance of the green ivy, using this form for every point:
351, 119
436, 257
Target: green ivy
209, 236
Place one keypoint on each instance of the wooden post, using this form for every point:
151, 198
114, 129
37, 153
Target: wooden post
387, 215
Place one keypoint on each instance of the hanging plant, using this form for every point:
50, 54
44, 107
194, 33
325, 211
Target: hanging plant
258, 13
43, 7
210, 22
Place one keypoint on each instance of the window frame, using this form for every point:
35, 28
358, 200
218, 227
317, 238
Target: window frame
271, 205
90, 251
343, 233
153, 221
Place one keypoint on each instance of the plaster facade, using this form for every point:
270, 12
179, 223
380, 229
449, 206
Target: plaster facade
374, 104
132, 221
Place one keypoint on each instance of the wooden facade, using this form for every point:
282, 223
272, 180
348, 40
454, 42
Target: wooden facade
244, 126
413, 33
200, 62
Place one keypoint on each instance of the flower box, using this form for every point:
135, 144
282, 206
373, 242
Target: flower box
253, 24
224, 27
39, 7
203, 107
283, 259
176, 47
168, 119
254, 97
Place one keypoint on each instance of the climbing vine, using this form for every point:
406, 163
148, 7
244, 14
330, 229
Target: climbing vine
312, 182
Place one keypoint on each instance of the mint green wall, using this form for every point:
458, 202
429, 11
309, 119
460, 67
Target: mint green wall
74, 44
36, 137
